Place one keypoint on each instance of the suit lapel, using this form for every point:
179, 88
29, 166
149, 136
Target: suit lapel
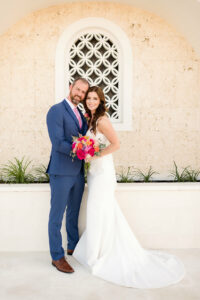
84, 122
68, 108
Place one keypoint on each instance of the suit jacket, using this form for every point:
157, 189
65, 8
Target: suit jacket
62, 125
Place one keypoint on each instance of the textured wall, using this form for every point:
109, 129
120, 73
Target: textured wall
166, 98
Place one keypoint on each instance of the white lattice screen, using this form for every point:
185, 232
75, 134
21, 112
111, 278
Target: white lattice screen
95, 57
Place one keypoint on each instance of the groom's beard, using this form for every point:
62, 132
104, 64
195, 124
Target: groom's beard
75, 99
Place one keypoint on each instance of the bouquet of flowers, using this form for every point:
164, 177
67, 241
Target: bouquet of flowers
83, 146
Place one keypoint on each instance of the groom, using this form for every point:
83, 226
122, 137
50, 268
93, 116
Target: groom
65, 120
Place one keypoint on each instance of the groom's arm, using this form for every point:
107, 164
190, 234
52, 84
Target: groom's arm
56, 131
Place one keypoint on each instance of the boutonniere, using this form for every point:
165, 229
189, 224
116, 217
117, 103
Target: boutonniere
87, 117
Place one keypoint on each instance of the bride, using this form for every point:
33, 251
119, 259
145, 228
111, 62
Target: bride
108, 247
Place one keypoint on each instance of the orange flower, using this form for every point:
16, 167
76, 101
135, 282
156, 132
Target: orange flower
96, 149
79, 146
88, 143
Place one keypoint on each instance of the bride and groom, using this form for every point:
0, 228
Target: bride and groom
108, 247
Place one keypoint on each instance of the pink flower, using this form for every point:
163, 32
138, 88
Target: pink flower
80, 154
92, 142
91, 151
86, 149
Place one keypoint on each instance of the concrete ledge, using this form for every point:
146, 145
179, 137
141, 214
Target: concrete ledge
157, 186
161, 215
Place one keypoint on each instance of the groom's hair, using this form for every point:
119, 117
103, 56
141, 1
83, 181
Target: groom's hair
80, 79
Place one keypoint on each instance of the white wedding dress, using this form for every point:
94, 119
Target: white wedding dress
108, 246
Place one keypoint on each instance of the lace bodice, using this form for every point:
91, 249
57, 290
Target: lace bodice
100, 137
104, 164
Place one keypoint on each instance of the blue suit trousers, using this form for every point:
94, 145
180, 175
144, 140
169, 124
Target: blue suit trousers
66, 194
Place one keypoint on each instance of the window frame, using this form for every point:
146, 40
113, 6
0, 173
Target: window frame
120, 39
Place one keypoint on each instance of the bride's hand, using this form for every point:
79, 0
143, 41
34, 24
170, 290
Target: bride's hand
89, 158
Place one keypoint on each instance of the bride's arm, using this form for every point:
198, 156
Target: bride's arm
106, 128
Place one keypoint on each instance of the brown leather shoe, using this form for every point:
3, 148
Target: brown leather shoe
62, 265
70, 252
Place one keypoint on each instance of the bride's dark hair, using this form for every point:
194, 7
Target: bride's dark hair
101, 109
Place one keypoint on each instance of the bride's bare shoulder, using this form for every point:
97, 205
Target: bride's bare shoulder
103, 124
103, 119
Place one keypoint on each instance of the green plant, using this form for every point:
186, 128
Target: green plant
17, 172
192, 175
125, 175
41, 174
146, 177
179, 176
187, 174
1, 178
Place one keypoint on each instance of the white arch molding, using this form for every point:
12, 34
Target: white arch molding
118, 36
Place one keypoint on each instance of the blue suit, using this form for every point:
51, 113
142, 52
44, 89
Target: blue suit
66, 176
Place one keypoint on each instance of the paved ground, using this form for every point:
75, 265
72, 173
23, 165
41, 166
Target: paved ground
29, 275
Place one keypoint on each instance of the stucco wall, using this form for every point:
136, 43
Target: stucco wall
166, 97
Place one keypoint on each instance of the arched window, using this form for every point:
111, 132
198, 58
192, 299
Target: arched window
98, 50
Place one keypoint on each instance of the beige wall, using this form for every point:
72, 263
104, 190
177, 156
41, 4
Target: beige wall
166, 98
